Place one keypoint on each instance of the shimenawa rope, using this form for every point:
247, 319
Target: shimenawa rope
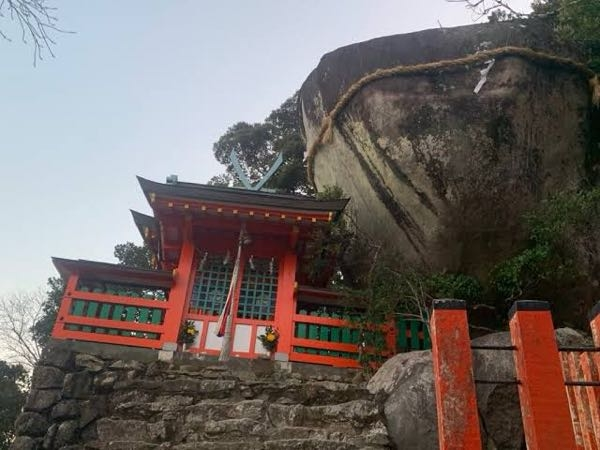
542, 58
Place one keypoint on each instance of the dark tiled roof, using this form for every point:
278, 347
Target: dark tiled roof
240, 196
113, 272
143, 221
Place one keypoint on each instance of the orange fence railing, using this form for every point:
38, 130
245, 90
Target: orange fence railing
114, 314
559, 387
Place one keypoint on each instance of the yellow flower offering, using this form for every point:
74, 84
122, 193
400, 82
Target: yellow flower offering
271, 337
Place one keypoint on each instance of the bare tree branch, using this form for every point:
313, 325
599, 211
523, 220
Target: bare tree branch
37, 22
18, 313
484, 7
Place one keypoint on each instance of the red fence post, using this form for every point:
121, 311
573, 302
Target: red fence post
595, 326
456, 401
544, 405
590, 364
572, 399
586, 427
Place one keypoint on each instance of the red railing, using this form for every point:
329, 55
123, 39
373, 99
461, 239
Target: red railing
559, 387
120, 314
324, 340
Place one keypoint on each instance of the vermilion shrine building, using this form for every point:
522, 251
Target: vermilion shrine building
194, 234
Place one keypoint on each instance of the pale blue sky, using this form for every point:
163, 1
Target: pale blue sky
145, 87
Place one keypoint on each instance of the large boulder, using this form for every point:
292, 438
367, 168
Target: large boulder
439, 173
404, 386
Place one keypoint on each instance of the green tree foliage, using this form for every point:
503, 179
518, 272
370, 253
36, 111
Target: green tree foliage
132, 255
575, 21
257, 145
41, 329
563, 246
13, 392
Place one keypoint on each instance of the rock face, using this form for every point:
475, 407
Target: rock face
107, 400
405, 387
438, 172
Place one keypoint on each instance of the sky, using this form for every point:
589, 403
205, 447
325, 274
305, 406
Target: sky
145, 87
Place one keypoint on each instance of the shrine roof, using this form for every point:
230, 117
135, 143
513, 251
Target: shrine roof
148, 227
144, 221
217, 194
113, 272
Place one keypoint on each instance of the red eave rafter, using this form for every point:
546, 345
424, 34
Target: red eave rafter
236, 210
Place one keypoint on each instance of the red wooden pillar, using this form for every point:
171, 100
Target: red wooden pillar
456, 401
544, 405
595, 326
65, 307
592, 395
390, 336
584, 419
590, 365
285, 306
183, 275
572, 399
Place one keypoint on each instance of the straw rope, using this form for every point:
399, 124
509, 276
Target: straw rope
542, 58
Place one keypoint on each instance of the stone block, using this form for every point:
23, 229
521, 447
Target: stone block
89, 362
214, 388
91, 410
65, 409
165, 355
45, 377
282, 357
58, 354
77, 385
39, 400
24, 443
127, 365
169, 346
121, 430
170, 403
286, 415
105, 381
48, 442
31, 424
66, 433
235, 427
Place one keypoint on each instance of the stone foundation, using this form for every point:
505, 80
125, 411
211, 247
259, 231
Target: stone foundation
96, 396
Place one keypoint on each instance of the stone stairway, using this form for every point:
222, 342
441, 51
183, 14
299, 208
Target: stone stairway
244, 404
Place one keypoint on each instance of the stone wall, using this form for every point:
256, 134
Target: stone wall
95, 396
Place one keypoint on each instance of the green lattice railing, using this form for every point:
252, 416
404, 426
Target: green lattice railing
211, 285
258, 290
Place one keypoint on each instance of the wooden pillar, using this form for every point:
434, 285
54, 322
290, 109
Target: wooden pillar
65, 306
456, 401
179, 292
583, 412
572, 399
389, 330
591, 395
285, 306
544, 405
590, 365
595, 323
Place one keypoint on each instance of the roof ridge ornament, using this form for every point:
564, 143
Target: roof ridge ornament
237, 167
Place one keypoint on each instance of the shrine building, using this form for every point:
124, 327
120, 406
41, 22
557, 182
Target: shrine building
228, 263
